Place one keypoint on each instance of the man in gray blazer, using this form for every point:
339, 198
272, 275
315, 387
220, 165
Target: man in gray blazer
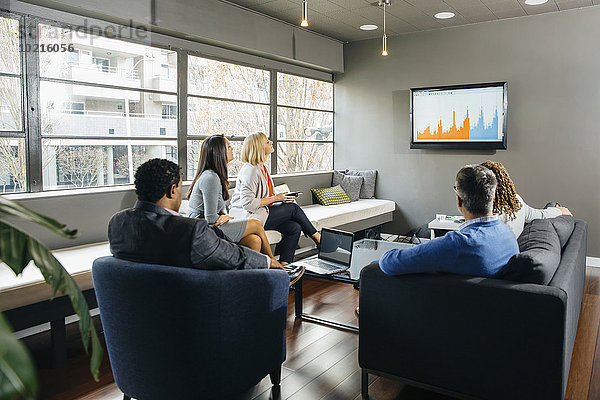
154, 232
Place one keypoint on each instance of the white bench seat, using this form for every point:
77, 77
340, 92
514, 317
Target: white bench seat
30, 287
341, 214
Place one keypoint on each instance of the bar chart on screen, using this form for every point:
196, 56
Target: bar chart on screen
462, 114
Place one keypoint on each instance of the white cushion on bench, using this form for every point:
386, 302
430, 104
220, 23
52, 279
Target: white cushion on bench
341, 214
30, 287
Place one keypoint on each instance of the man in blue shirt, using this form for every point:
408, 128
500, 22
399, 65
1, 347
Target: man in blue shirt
480, 247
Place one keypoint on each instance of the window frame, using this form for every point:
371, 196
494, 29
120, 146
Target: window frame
34, 32
273, 105
22, 76
31, 80
332, 112
232, 138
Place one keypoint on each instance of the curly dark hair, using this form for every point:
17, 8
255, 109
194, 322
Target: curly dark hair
154, 178
506, 201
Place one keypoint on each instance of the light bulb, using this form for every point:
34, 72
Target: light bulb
304, 22
384, 46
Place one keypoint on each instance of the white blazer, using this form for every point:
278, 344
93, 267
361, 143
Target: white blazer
250, 187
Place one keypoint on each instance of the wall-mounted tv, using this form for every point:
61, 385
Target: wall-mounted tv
459, 117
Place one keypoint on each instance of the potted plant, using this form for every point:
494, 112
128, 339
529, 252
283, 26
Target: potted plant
18, 379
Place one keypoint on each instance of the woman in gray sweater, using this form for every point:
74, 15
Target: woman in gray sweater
209, 191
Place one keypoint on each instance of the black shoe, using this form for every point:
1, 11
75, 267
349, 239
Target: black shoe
295, 272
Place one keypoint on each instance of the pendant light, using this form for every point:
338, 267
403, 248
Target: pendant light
384, 51
304, 22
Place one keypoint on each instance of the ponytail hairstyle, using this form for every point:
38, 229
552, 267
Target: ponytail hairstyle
213, 156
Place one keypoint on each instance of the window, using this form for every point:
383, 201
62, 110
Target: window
304, 124
103, 94
228, 99
169, 111
12, 133
106, 105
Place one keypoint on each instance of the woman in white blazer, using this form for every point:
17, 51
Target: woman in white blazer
254, 198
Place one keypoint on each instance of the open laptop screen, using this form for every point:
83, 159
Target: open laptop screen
336, 246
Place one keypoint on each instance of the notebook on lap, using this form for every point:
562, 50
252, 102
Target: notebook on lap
335, 253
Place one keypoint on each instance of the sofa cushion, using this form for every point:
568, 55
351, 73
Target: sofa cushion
539, 257
330, 196
350, 183
564, 226
367, 191
331, 217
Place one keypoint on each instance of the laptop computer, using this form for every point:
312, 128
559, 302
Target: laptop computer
335, 253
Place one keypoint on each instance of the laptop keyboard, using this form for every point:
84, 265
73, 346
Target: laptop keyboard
321, 267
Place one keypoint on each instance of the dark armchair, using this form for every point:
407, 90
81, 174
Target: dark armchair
181, 333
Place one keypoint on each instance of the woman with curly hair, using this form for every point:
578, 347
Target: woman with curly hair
510, 207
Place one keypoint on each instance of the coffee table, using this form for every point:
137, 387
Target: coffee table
449, 223
364, 252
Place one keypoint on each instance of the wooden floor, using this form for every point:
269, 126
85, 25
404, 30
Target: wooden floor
322, 363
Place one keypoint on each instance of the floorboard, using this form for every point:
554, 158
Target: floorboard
321, 363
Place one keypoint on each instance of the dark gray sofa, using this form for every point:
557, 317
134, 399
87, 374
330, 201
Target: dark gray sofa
474, 337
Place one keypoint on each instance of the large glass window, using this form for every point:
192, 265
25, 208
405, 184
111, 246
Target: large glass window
304, 124
85, 110
12, 134
106, 106
227, 99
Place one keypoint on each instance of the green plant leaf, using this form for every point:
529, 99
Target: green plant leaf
17, 249
17, 372
13, 208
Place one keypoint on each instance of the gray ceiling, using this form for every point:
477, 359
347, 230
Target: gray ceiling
340, 19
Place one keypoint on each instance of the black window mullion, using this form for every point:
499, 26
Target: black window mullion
105, 86
13, 134
273, 119
305, 108
199, 96
10, 74
230, 138
182, 109
31, 90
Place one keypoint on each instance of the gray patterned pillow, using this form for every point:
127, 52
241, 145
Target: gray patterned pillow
367, 191
351, 184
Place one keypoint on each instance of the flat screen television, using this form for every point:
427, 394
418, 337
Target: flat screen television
459, 117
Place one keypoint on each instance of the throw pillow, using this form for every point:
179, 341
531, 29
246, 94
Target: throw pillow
564, 225
350, 184
330, 196
539, 257
367, 191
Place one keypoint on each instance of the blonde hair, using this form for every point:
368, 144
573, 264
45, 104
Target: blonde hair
253, 151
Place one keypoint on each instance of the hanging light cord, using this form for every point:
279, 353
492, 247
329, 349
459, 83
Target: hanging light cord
384, 3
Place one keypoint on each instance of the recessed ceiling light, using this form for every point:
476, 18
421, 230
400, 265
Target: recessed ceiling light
448, 14
535, 2
368, 27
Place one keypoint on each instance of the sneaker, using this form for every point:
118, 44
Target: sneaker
295, 272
